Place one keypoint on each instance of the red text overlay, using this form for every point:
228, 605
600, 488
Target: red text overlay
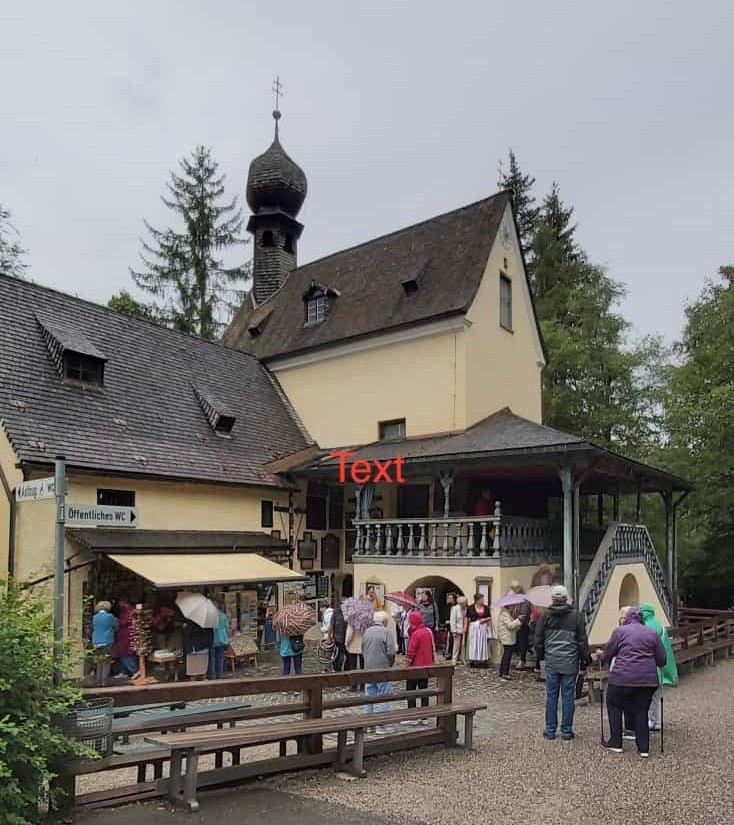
361, 471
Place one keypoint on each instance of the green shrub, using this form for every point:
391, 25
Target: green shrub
29, 745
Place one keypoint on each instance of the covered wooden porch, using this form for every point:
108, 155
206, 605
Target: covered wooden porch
507, 490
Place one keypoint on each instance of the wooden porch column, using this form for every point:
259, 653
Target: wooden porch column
576, 543
638, 509
447, 481
615, 506
567, 485
669, 537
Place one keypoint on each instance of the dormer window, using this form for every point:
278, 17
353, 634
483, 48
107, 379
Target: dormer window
224, 423
220, 420
317, 309
268, 239
73, 355
318, 301
83, 368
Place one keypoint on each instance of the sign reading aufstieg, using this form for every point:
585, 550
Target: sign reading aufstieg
362, 470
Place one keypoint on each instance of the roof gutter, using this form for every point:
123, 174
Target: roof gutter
103, 471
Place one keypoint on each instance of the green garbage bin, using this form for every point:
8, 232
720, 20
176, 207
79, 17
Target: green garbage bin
90, 723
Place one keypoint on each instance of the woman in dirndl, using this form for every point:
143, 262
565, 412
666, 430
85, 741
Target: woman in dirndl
479, 617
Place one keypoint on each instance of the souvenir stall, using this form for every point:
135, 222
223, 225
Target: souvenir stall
245, 585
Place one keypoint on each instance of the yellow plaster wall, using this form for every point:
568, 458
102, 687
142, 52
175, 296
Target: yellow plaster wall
161, 506
502, 368
13, 477
341, 400
608, 614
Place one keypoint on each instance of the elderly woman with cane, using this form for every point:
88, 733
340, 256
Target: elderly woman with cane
637, 652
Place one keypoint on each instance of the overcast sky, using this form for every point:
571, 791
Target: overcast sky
397, 111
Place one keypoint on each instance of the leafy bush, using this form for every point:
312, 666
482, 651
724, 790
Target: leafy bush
29, 745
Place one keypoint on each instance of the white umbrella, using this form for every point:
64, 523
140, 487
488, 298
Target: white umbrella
540, 595
198, 609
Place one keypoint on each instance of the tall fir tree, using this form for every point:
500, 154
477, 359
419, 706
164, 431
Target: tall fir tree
11, 252
191, 286
700, 425
521, 187
596, 384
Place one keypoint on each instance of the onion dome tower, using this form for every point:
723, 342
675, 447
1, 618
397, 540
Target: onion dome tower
276, 190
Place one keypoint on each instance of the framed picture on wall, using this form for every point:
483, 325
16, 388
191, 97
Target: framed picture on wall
379, 591
484, 586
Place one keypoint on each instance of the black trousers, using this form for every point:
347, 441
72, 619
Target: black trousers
523, 642
417, 684
633, 703
340, 657
507, 652
355, 661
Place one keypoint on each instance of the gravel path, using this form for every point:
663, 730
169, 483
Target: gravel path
515, 773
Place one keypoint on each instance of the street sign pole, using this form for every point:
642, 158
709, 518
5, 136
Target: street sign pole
59, 553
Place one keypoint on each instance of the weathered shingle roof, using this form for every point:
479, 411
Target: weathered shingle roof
446, 255
146, 419
500, 431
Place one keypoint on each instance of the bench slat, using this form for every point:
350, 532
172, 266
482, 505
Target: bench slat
265, 734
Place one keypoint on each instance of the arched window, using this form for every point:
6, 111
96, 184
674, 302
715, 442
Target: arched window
267, 239
288, 244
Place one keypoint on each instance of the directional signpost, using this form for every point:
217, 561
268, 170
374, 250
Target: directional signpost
77, 515
100, 515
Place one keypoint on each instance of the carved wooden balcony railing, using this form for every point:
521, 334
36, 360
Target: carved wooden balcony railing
453, 536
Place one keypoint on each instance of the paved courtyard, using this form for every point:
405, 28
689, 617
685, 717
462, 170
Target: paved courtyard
514, 775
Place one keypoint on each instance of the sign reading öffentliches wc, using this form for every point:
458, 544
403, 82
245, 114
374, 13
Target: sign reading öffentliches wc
100, 515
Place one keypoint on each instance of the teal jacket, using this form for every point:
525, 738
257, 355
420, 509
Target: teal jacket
221, 631
668, 673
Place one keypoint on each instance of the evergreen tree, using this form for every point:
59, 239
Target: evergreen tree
192, 288
11, 253
595, 383
700, 423
523, 200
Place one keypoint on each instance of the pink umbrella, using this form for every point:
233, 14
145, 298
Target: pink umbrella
540, 596
509, 599
403, 599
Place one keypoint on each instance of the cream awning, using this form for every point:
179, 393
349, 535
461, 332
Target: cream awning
194, 569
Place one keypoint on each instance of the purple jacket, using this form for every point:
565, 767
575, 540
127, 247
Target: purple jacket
637, 652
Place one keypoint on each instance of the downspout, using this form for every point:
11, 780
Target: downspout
11, 527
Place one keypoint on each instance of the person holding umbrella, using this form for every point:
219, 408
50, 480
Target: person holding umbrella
292, 621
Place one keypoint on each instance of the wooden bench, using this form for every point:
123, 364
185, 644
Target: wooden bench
187, 747
119, 713
311, 701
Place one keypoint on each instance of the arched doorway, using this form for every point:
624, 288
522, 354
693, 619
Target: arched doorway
629, 591
439, 587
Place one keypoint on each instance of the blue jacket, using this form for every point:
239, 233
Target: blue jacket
104, 625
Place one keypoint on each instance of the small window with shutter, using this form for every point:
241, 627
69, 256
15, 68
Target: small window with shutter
505, 302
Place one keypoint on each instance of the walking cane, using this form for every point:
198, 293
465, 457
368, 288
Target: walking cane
662, 718
601, 702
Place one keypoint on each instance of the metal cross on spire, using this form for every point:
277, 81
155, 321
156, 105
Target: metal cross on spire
278, 89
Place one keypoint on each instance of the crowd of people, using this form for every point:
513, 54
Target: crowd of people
639, 654
113, 647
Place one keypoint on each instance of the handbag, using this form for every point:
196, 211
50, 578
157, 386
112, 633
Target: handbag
297, 644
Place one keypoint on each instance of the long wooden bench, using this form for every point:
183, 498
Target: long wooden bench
306, 696
187, 747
